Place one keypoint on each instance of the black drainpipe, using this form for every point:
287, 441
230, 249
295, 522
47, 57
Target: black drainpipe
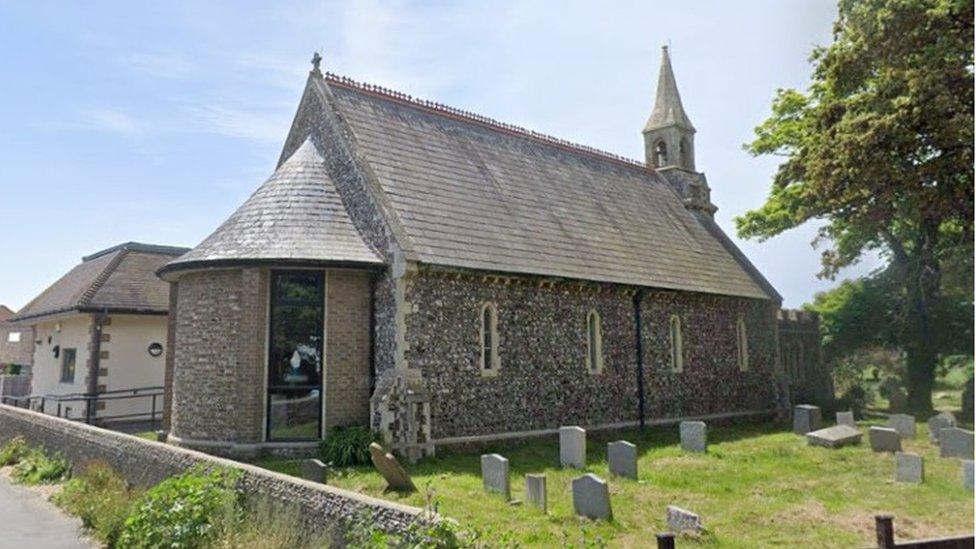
639, 347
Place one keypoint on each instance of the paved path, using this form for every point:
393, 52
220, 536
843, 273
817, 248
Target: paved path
27, 520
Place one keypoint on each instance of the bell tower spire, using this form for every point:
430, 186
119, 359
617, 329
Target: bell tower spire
669, 143
669, 136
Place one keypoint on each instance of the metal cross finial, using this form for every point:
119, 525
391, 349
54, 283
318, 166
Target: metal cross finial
316, 61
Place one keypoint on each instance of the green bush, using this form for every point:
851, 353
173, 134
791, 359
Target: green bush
345, 446
36, 467
13, 451
265, 525
181, 511
101, 498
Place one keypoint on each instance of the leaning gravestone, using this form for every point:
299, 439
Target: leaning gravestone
622, 459
967, 474
680, 520
388, 466
693, 436
572, 447
909, 468
591, 497
938, 422
313, 470
806, 418
846, 418
535, 491
903, 423
494, 475
834, 437
884, 439
956, 443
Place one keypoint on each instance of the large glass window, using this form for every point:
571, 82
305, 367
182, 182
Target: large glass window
68, 358
295, 355
490, 361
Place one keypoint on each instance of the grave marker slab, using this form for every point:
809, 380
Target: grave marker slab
693, 436
572, 447
846, 418
622, 459
909, 468
535, 491
591, 497
884, 439
967, 474
388, 466
681, 520
956, 443
903, 423
494, 475
835, 437
938, 422
314, 470
806, 418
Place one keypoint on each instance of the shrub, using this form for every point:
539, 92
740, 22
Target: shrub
346, 446
856, 399
36, 467
13, 451
101, 498
181, 511
264, 525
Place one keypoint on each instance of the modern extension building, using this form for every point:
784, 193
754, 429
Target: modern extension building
444, 278
101, 328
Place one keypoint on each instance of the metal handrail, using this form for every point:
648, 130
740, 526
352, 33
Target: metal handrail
153, 392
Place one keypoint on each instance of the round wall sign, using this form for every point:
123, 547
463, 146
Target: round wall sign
155, 349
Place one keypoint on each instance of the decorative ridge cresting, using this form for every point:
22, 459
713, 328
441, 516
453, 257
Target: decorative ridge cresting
468, 116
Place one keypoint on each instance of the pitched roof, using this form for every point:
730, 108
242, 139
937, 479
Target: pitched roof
474, 193
668, 110
5, 313
296, 215
121, 278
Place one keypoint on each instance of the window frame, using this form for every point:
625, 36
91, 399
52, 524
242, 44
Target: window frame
742, 344
492, 369
63, 378
676, 344
594, 339
661, 153
13, 336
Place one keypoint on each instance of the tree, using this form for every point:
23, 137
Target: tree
880, 148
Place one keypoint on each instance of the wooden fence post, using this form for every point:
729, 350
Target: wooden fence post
885, 530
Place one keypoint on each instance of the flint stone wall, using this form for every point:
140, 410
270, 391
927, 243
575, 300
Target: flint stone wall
543, 381
143, 463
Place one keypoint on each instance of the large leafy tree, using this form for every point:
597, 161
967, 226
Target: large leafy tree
880, 148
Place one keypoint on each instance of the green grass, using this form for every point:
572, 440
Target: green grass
758, 485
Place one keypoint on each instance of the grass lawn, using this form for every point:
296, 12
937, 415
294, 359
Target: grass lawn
758, 485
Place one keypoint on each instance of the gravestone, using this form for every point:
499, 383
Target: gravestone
494, 475
314, 470
693, 436
884, 439
572, 447
938, 422
835, 437
909, 468
535, 491
846, 418
680, 520
388, 466
622, 459
967, 474
903, 423
591, 497
806, 418
897, 400
956, 443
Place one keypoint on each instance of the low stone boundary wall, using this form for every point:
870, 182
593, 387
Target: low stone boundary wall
145, 462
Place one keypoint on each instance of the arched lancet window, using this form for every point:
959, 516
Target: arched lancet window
684, 151
677, 360
661, 154
594, 343
490, 362
742, 342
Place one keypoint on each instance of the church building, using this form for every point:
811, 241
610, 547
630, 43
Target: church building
445, 278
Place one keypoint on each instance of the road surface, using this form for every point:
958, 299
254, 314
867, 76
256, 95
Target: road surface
27, 520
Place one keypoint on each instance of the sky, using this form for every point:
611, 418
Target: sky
152, 121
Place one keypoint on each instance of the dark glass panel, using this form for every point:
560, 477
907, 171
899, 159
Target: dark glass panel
294, 414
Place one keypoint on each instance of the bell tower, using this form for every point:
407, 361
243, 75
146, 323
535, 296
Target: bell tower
669, 142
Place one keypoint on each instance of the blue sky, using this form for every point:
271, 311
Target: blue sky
153, 121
